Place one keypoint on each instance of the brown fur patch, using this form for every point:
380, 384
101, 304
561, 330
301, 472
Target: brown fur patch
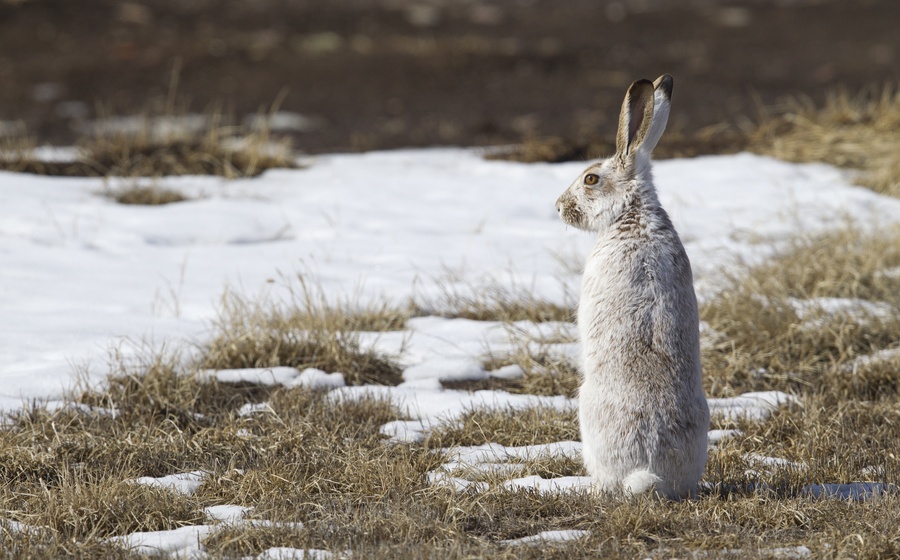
570, 212
631, 222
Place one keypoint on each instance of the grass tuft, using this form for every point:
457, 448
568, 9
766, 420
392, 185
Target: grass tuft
495, 303
859, 131
147, 196
306, 332
157, 146
530, 426
544, 374
764, 343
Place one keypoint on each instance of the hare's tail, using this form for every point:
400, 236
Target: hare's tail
640, 482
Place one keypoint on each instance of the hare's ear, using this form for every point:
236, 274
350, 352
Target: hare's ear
662, 99
634, 120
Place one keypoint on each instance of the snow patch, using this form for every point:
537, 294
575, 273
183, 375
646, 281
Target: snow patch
183, 483
816, 312
155, 273
443, 478
462, 457
512, 371
181, 542
776, 462
753, 406
435, 404
715, 437
310, 378
551, 485
549, 537
227, 513
286, 553
878, 357
780, 552
447, 369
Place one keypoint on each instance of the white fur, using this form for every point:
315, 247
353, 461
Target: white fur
642, 412
640, 482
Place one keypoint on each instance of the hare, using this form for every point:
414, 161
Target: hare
642, 412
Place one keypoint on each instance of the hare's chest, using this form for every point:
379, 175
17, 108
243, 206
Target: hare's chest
614, 284
615, 307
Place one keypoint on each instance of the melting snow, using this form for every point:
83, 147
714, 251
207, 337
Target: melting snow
227, 513
753, 406
550, 485
310, 378
715, 437
815, 312
780, 552
881, 356
154, 274
462, 457
181, 542
764, 461
550, 536
428, 402
285, 553
855, 491
183, 483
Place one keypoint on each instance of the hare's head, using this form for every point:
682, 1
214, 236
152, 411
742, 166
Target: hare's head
603, 191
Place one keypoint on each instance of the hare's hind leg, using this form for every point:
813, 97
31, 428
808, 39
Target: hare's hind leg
598, 451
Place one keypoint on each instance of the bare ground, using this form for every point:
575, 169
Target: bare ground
383, 74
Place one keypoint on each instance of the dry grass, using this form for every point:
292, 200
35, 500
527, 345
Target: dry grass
857, 131
494, 302
305, 332
153, 195
530, 426
164, 140
66, 471
161, 142
544, 374
764, 344
225, 150
313, 459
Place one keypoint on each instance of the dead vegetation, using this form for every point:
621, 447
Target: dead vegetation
544, 373
859, 131
780, 325
493, 302
309, 458
530, 426
153, 195
306, 331
164, 140
323, 464
148, 150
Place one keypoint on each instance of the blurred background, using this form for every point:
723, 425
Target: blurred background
350, 75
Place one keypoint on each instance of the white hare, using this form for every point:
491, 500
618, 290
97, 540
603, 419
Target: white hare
643, 415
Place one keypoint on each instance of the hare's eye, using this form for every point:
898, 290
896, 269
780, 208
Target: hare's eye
591, 179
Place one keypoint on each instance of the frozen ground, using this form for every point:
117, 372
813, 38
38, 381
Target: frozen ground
83, 275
